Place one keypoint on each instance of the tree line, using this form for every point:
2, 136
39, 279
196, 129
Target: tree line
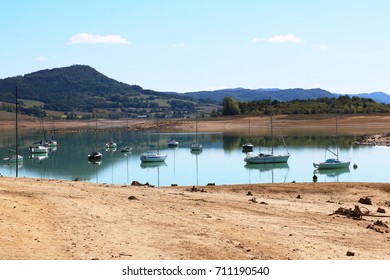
344, 104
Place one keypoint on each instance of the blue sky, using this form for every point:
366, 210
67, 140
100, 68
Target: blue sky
340, 46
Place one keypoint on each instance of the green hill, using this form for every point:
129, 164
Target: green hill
81, 88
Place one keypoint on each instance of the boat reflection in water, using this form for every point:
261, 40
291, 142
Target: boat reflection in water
39, 157
12, 166
332, 173
266, 167
196, 153
154, 165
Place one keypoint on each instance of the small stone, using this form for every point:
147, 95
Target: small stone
381, 210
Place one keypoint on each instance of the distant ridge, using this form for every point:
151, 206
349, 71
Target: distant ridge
241, 94
379, 96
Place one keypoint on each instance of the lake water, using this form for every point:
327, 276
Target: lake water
221, 162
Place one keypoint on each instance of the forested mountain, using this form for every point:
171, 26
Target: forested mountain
81, 90
242, 94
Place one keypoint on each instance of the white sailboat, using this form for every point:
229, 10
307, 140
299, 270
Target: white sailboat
111, 144
333, 163
126, 149
173, 143
38, 148
196, 147
262, 158
153, 156
16, 158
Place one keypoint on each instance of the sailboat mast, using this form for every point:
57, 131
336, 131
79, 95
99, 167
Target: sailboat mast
272, 130
196, 128
337, 139
16, 131
158, 138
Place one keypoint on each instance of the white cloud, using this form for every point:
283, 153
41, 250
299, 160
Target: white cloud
280, 39
85, 38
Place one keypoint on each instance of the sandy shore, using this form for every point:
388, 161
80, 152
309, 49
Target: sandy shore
51, 219
286, 124
48, 219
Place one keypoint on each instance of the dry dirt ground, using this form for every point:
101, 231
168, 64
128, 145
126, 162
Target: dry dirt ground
49, 219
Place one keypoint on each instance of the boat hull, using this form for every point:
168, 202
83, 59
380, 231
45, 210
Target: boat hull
39, 150
266, 158
196, 147
95, 156
332, 165
173, 144
153, 158
126, 150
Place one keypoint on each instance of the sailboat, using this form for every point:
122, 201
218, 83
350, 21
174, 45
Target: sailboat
52, 142
153, 156
333, 163
16, 158
262, 158
38, 148
111, 144
196, 147
173, 143
95, 155
248, 146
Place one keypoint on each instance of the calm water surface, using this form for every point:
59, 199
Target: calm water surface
221, 162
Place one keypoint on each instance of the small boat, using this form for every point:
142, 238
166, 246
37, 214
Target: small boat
263, 158
173, 143
333, 163
14, 159
95, 156
153, 156
247, 147
266, 158
196, 147
51, 143
38, 149
126, 149
111, 144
